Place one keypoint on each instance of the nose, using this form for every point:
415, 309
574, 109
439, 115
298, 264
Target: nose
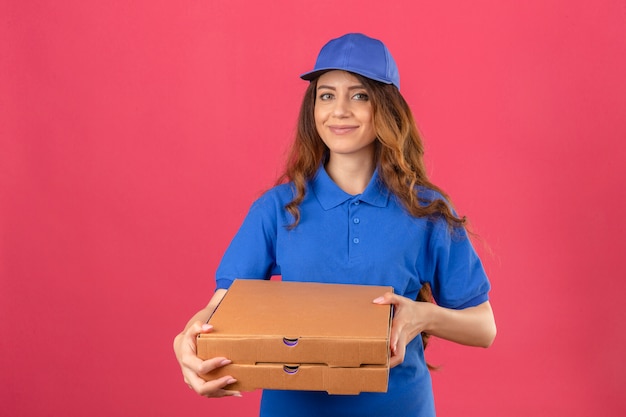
341, 107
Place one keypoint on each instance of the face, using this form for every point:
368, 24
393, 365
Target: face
343, 115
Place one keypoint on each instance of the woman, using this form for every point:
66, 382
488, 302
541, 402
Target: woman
355, 206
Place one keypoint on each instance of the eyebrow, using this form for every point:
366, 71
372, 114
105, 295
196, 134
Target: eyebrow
352, 87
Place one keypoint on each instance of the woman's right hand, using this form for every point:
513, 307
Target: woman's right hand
192, 366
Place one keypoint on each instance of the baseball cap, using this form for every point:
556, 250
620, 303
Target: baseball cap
359, 54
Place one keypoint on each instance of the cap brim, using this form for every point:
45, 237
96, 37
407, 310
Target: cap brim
311, 75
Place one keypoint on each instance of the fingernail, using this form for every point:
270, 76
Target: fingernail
231, 381
225, 362
378, 300
206, 327
238, 394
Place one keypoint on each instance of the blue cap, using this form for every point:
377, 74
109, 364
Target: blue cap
357, 53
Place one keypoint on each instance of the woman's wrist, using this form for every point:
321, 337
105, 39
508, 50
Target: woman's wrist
429, 316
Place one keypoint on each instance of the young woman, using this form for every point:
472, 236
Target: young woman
355, 206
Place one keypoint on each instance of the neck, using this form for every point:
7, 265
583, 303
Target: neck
350, 174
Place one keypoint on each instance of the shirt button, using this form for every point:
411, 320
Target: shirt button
356, 203
356, 220
356, 240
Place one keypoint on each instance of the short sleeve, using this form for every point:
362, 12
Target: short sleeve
455, 272
252, 252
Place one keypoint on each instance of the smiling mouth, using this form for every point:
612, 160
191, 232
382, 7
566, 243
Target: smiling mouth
340, 130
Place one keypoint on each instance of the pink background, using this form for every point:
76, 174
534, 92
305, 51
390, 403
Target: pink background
135, 135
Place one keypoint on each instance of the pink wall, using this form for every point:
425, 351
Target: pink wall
134, 136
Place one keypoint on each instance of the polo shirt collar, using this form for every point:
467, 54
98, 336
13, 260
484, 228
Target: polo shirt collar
330, 195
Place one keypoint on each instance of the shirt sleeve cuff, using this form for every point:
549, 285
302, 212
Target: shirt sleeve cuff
479, 299
223, 283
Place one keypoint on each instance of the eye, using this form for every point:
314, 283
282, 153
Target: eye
326, 96
361, 96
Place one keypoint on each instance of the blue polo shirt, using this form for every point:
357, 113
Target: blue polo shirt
357, 239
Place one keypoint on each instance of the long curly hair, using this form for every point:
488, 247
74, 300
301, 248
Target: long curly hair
399, 157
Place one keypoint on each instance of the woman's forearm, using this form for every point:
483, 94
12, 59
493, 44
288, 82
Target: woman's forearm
472, 326
201, 316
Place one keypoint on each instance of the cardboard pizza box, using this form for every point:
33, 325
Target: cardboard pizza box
322, 331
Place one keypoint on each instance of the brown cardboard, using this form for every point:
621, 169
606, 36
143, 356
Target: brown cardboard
333, 332
344, 381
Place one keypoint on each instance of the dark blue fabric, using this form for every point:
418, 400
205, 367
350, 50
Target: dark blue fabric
364, 239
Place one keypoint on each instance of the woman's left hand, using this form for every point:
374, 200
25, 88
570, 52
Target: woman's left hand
410, 318
470, 326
